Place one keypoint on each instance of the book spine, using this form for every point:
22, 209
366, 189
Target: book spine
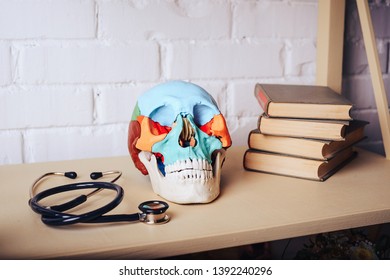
259, 123
262, 97
250, 136
249, 139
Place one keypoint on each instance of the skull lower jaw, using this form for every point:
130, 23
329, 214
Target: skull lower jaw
189, 185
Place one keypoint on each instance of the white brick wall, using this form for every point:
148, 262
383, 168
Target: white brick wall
88, 63
170, 20
11, 143
71, 70
43, 106
276, 19
5, 64
75, 142
224, 60
42, 19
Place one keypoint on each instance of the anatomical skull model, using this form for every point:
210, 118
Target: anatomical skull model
178, 136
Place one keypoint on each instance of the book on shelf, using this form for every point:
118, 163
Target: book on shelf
307, 147
319, 170
302, 101
305, 128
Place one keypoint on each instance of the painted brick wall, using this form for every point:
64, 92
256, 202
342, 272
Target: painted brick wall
71, 70
357, 84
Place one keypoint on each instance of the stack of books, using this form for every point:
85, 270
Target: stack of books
305, 131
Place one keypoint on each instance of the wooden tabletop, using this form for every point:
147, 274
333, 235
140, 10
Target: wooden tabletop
252, 207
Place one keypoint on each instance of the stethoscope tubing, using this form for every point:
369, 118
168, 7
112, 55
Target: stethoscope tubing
152, 212
54, 216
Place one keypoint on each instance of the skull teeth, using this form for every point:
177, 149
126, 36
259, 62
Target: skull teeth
190, 169
190, 175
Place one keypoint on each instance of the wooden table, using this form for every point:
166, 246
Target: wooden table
253, 207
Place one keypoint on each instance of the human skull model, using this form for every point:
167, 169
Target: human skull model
178, 136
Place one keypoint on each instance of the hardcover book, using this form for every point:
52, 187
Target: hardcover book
303, 128
255, 160
306, 147
302, 101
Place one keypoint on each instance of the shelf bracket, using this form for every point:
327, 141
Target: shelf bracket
330, 42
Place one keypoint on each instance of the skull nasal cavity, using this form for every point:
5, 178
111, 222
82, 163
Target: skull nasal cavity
186, 138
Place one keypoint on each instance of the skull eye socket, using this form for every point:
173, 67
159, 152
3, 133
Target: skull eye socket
202, 114
163, 115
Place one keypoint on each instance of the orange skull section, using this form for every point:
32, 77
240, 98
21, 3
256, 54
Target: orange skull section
217, 127
151, 133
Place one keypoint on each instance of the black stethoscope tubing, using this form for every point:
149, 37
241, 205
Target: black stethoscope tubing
55, 215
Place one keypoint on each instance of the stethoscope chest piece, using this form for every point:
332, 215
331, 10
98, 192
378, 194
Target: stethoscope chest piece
153, 212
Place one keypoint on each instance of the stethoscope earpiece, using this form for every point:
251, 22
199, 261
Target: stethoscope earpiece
70, 175
96, 175
152, 212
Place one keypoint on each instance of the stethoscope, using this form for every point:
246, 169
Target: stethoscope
152, 212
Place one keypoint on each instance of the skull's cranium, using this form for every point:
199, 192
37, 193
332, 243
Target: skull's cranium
178, 136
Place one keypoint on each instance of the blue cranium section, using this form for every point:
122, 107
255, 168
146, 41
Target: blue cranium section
165, 102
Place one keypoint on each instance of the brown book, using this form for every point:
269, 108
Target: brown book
306, 147
303, 128
255, 160
302, 101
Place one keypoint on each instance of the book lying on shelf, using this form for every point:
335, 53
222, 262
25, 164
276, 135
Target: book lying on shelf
306, 128
302, 101
255, 160
306, 147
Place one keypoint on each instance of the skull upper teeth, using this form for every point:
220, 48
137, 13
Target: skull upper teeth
190, 169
